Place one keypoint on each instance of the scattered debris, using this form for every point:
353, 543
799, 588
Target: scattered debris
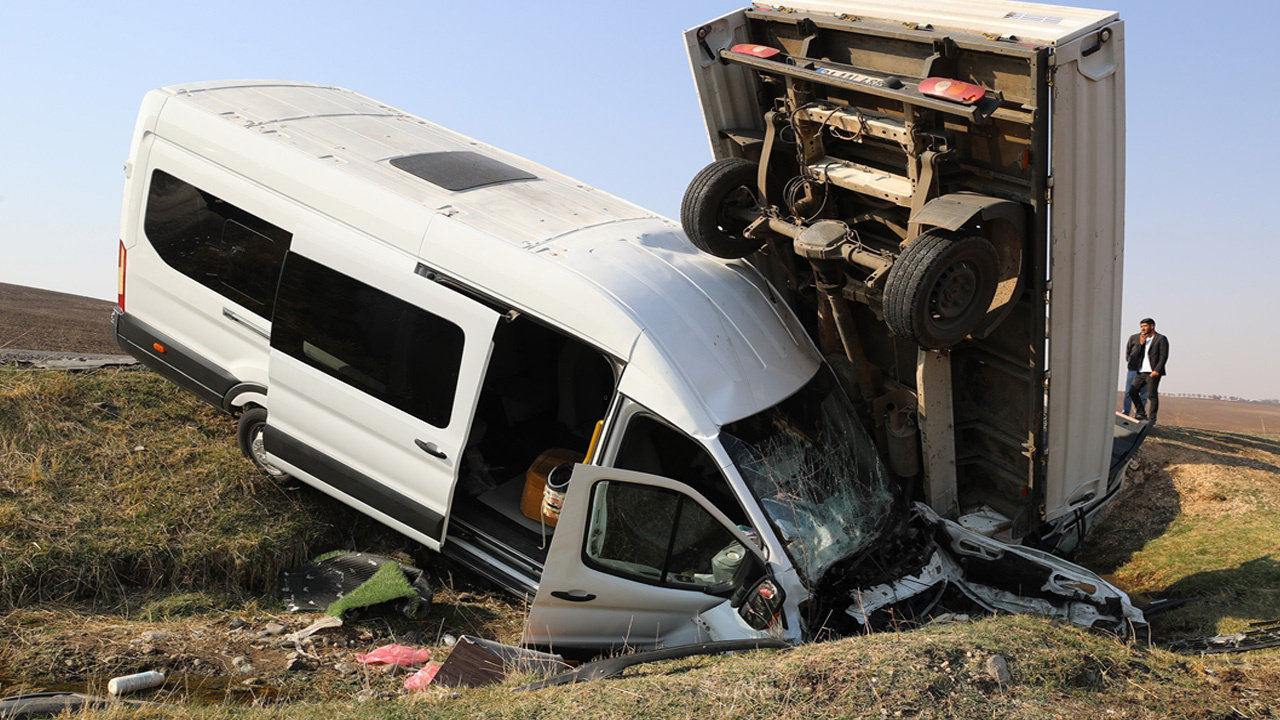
368, 694
614, 666
1262, 634
136, 682
998, 669
57, 360
1163, 605
475, 662
421, 679
394, 655
46, 704
337, 582
295, 638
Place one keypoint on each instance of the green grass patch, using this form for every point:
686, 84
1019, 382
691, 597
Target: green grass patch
1201, 522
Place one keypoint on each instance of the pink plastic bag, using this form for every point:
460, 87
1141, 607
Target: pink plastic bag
421, 679
394, 655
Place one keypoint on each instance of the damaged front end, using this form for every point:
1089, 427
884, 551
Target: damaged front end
930, 566
872, 561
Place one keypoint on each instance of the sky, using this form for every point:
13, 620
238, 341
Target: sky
601, 91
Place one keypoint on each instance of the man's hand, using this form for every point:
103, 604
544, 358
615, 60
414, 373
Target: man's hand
1155, 374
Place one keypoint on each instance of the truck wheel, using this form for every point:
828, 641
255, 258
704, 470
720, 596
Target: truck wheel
940, 288
711, 211
249, 437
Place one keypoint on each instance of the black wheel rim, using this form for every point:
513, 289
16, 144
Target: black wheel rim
954, 293
729, 219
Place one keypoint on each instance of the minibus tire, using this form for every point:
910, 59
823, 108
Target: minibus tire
708, 210
940, 288
249, 436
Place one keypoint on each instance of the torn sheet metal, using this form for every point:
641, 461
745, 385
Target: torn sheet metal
998, 578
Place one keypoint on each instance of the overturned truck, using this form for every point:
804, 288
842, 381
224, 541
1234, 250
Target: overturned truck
938, 190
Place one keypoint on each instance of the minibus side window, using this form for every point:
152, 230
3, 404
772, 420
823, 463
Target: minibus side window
375, 342
226, 249
659, 536
653, 447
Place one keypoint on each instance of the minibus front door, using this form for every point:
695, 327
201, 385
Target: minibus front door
642, 561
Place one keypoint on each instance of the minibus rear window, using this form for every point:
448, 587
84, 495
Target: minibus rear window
219, 245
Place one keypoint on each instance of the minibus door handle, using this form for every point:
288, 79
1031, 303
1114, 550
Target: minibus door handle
574, 596
430, 448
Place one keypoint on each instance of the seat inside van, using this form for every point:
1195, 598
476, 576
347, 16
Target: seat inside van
543, 391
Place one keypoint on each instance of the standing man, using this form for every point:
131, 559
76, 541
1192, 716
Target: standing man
1146, 352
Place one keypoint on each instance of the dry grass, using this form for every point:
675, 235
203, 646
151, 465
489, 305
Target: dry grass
178, 537
1200, 521
116, 480
1057, 673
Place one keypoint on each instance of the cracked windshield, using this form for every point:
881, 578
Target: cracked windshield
815, 471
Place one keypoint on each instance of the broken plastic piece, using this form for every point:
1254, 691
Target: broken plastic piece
421, 679
610, 667
338, 582
401, 655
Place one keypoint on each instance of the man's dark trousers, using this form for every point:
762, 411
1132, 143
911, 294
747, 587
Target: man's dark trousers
1152, 384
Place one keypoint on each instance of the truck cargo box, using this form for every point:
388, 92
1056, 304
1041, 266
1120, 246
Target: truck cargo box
938, 187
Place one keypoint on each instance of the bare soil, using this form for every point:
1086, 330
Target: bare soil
1249, 418
32, 319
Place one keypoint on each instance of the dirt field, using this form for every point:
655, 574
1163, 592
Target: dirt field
1223, 415
33, 319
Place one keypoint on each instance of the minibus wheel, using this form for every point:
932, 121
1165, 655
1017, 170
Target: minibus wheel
249, 436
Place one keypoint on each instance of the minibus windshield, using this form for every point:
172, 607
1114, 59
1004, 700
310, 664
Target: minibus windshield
813, 468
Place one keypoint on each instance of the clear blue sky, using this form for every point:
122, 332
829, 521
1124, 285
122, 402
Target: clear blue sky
601, 91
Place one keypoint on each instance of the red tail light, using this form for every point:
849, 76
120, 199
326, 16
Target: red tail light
120, 278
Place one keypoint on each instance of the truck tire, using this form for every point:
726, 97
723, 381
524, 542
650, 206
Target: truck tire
940, 288
249, 437
707, 211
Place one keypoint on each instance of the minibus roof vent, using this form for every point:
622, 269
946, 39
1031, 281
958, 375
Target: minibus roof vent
460, 169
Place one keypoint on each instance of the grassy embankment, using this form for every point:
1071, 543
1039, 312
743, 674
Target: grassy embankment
125, 508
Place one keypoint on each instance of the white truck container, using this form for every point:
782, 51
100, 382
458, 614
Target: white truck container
937, 187
433, 330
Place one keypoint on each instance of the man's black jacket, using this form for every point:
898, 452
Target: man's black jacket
1157, 352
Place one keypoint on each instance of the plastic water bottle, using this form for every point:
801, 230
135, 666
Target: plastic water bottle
126, 684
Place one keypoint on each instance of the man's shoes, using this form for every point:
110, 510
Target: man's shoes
1140, 417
